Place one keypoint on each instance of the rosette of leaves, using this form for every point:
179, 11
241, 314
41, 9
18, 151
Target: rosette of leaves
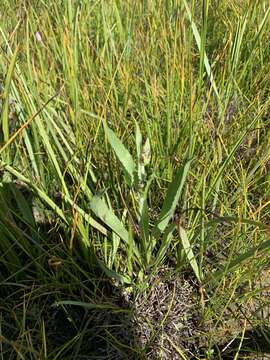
147, 250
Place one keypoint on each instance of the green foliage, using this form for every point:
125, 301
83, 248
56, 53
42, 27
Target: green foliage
146, 249
134, 137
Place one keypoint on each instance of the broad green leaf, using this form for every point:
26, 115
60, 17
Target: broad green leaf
114, 251
171, 200
104, 213
122, 154
189, 252
86, 216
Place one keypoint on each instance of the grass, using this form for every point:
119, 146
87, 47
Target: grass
134, 166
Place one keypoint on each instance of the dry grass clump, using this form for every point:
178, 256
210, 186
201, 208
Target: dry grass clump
166, 317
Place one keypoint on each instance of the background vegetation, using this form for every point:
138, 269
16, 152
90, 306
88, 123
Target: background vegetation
134, 174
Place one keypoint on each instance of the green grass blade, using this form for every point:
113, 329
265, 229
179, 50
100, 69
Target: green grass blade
199, 43
232, 153
86, 305
237, 220
165, 245
6, 98
239, 261
262, 27
138, 138
172, 198
38, 191
144, 221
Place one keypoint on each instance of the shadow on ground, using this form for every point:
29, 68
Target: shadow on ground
55, 305
37, 272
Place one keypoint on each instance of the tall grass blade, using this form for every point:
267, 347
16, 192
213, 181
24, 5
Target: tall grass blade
172, 198
231, 154
165, 245
144, 221
43, 196
239, 261
199, 43
86, 305
6, 96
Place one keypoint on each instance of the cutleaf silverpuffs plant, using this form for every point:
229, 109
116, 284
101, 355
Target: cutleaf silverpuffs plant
152, 243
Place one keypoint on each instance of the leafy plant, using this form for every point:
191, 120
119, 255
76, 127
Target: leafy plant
149, 246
